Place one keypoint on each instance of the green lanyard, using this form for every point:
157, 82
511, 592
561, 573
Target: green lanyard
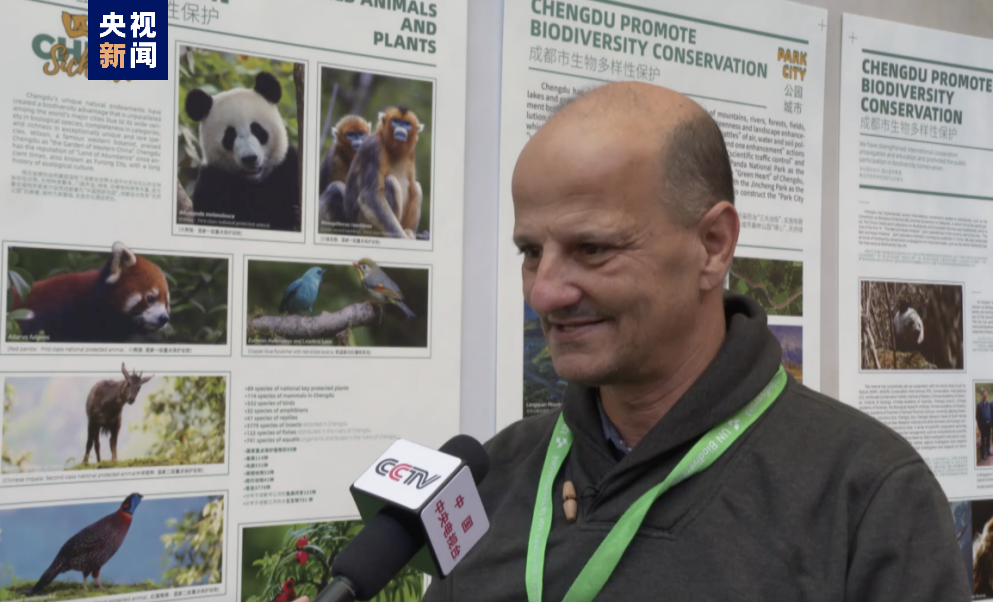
600, 566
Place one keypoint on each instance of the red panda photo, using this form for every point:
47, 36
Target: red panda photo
127, 296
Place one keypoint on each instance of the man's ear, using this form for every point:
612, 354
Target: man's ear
718, 231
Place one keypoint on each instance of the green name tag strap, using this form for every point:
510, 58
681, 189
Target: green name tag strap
603, 562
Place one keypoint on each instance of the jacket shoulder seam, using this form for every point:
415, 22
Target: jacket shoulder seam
845, 409
880, 480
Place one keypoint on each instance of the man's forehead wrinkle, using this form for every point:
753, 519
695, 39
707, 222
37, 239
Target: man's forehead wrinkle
574, 221
574, 180
592, 224
590, 221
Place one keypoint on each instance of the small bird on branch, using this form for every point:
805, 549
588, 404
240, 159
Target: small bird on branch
381, 287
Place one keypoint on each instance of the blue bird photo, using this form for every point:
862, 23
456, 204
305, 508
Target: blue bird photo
301, 293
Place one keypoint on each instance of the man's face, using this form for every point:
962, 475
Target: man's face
613, 279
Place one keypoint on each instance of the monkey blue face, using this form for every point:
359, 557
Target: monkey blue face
356, 139
401, 129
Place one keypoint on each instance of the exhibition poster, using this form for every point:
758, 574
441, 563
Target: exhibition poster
915, 301
757, 67
226, 292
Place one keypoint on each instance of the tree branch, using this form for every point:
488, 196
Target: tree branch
321, 327
869, 324
889, 320
298, 79
327, 120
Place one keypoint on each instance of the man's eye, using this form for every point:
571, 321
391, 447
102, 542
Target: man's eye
590, 249
530, 252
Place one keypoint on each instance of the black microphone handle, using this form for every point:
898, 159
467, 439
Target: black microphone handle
339, 590
391, 538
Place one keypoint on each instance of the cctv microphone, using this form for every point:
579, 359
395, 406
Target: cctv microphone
421, 508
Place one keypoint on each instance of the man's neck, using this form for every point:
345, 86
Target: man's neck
635, 408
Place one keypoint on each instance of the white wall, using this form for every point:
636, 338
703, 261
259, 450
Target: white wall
972, 17
479, 268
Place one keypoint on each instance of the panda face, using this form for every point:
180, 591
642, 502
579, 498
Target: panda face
241, 130
908, 326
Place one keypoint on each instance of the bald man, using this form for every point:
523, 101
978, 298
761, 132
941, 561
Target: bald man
699, 469
685, 464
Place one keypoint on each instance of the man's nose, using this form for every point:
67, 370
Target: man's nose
552, 286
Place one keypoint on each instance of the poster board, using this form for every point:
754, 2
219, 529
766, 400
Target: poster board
914, 210
272, 369
758, 68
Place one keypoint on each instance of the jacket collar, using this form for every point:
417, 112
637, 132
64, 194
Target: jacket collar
610, 432
747, 360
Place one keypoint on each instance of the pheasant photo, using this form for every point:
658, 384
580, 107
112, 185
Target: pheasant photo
91, 548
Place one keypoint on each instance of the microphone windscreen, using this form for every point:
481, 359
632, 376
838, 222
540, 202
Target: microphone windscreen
471, 452
376, 555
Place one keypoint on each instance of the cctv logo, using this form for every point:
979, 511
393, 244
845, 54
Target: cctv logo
409, 475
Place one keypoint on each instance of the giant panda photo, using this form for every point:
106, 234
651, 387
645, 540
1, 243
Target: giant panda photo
911, 325
239, 140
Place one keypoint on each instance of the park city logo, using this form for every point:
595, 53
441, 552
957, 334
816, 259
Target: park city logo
59, 54
405, 473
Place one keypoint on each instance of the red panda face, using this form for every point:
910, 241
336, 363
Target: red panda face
140, 291
127, 296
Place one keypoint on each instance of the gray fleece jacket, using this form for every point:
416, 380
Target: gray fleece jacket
817, 502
